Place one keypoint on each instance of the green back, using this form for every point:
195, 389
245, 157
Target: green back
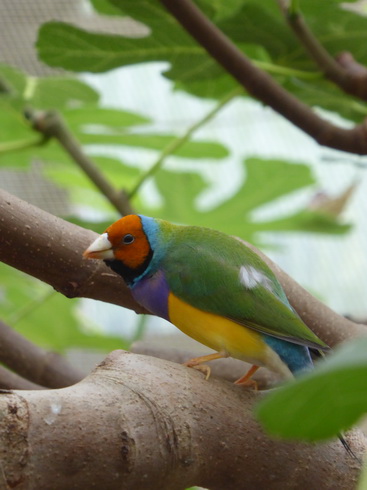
202, 267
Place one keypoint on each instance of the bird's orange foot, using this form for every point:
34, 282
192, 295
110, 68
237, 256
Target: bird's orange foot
250, 383
200, 367
246, 379
198, 362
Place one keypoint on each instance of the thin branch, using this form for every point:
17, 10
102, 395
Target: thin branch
343, 70
260, 85
50, 125
34, 363
178, 142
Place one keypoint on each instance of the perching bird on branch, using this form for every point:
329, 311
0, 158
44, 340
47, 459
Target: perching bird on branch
213, 288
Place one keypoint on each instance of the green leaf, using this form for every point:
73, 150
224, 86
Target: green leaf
60, 93
82, 190
304, 220
323, 403
191, 149
60, 44
328, 96
92, 116
255, 27
45, 317
105, 7
14, 79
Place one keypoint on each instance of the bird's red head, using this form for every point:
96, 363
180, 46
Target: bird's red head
124, 241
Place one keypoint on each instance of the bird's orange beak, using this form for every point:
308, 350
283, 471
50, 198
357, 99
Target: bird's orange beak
101, 249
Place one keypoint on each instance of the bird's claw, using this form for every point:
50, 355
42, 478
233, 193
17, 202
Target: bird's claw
250, 383
200, 367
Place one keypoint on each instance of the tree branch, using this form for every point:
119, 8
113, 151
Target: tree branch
50, 249
160, 434
11, 381
34, 363
260, 85
344, 71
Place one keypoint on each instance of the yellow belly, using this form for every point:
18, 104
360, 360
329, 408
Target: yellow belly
219, 333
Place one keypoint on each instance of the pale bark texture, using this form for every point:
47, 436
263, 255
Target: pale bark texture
141, 423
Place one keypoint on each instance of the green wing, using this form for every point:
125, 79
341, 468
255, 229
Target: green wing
219, 274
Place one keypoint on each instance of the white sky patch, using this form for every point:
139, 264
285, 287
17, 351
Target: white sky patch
251, 277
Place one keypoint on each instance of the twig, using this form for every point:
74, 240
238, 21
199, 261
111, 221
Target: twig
33, 363
178, 142
260, 85
51, 125
343, 70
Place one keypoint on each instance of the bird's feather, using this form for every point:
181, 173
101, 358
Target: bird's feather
221, 275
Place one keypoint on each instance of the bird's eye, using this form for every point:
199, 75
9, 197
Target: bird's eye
127, 239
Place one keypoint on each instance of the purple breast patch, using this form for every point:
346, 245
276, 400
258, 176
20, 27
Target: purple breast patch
152, 293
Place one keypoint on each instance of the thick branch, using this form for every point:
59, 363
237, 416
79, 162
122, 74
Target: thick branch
322, 320
130, 424
229, 369
11, 381
260, 85
51, 250
34, 363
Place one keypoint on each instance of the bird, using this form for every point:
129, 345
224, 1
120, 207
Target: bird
214, 288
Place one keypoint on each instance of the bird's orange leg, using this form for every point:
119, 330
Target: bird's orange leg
197, 362
246, 380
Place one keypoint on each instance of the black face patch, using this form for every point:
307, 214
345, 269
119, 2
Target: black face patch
129, 274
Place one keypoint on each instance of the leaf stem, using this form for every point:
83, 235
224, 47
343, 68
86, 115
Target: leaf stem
290, 72
180, 141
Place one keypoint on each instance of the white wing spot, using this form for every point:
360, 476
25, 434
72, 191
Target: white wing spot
251, 277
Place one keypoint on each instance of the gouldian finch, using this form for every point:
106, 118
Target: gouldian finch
213, 288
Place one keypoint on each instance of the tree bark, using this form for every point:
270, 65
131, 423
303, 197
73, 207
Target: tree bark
132, 425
